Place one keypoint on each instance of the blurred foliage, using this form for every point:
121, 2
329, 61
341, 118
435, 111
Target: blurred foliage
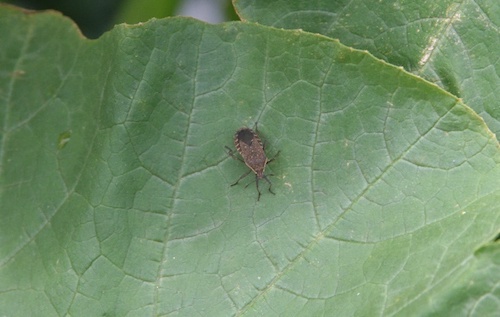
95, 17
134, 11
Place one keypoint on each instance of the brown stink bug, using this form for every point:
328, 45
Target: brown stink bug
251, 149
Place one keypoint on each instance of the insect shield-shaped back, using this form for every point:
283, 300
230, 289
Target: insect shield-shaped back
250, 147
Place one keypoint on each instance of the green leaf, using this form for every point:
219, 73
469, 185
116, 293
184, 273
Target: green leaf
453, 44
474, 290
115, 186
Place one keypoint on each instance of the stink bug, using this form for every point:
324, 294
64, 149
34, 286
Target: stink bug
251, 149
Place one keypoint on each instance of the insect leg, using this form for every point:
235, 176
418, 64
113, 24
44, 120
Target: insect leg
257, 185
231, 153
275, 156
241, 177
270, 184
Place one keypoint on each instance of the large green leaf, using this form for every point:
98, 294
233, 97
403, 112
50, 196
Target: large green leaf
115, 186
452, 43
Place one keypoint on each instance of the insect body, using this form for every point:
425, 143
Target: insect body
251, 149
